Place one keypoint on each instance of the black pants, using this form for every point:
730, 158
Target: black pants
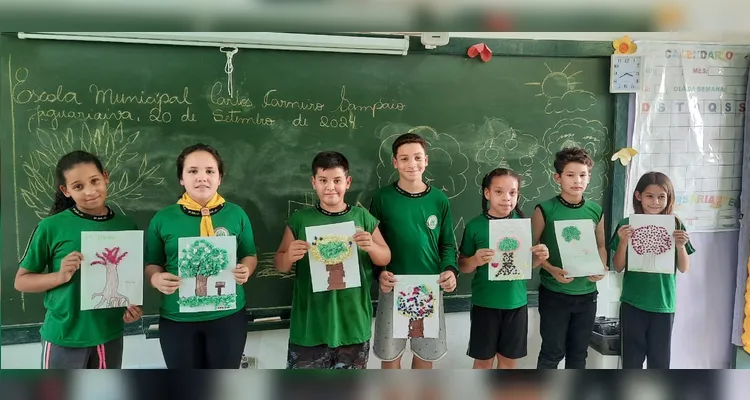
645, 335
565, 324
204, 345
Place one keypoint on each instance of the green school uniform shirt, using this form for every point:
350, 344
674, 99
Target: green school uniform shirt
53, 239
557, 209
175, 222
648, 291
418, 228
503, 295
337, 317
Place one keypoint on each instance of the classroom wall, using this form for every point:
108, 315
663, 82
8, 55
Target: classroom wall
696, 350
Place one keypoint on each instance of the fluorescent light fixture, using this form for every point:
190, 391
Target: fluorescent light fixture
247, 40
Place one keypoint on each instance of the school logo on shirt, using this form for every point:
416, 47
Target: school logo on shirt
432, 222
221, 232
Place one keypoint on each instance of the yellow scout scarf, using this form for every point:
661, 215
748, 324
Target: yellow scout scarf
207, 227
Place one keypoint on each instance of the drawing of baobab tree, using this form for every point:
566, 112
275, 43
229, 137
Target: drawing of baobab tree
448, 163
648, 242
416, 303
130, 173
200, 260
506, 147
508, 246
110, 259
332, 251
590, 135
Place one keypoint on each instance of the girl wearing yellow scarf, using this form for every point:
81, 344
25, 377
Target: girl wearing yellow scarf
199, 339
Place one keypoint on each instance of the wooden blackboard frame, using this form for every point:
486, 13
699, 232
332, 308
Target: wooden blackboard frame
278, 318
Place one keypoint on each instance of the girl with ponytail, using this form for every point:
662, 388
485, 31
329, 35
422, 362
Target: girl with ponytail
71, 338
499, 315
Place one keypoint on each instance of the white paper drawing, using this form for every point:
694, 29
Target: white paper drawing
334, 257
205, 266
112, 269
511, 241
416, 305
652, 248
576, 240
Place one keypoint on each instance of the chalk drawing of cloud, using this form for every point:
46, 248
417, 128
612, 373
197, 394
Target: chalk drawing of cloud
570, 102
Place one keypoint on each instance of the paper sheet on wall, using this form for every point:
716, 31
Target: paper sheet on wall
689, 121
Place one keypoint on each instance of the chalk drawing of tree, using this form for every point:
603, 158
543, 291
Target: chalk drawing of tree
508, 246
110, 259
416, 303
332, 251
130, 172
649, 241
200, 260
590, 135
447, 162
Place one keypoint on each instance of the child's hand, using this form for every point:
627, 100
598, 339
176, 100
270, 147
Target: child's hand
540, 252
132, 314
68, 266
624, 233
363, 239
447, 281
560, 274
296, 250
596, 278
483, 256
165, 282
680, 238
241, 273
387, 281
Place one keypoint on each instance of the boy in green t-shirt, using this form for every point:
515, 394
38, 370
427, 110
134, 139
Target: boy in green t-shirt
330, 329
567, 306
418, 227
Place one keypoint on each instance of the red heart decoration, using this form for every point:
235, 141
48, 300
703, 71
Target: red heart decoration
481, 50
495, 265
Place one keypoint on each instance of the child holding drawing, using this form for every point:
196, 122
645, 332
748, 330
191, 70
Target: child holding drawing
499, 315
330, 327
567, 305
71, 338
647, 301
190, 337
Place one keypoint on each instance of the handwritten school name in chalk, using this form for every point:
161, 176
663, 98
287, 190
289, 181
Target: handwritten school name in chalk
242, 109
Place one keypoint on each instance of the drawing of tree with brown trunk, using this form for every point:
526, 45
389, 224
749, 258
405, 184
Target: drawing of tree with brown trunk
416, 303
110, 259
332, 251
200, 260
649, 241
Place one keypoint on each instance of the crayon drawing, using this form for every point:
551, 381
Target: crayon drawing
416, 303
652, 248
333, 255
205, 266
511, 241
579, 253
112, 269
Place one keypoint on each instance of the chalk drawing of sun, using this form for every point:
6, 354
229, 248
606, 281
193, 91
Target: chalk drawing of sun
560, 90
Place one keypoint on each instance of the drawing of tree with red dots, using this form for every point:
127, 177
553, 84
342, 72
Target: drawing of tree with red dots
416, 303
649, 241
110, 259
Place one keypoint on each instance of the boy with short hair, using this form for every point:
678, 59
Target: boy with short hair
567, 306
330, 329
417, 224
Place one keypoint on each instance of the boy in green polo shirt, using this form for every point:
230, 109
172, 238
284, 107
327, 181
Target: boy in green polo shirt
417, 224
567, 306
330, 329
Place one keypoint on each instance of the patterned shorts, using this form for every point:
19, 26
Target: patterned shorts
353, 356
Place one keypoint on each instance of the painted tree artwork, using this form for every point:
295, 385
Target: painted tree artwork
112, 269
333, 256
416, 303
511, 241
652, 248
576, 240
205, 266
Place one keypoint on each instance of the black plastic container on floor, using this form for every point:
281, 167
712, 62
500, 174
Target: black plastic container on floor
605, 338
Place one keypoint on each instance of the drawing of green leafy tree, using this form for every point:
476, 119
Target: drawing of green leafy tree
571, 233
129, 172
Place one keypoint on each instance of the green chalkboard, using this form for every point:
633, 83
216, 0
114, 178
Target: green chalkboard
137, 106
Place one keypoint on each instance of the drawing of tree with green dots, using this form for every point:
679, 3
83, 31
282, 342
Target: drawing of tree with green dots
571, 233
203, 259
508, 246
